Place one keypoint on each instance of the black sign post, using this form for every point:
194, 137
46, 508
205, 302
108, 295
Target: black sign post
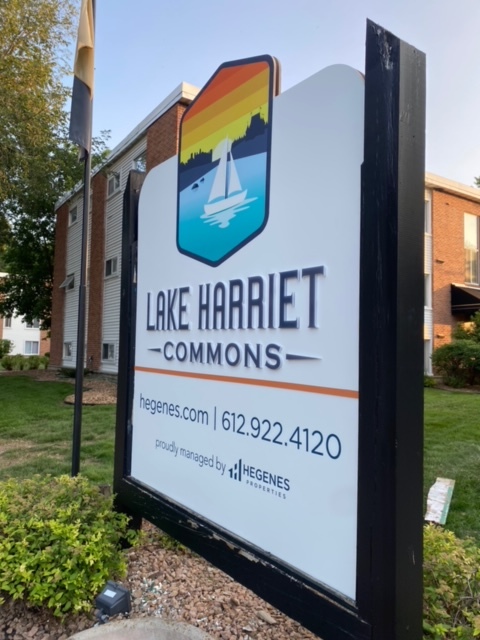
388, 603
389, 576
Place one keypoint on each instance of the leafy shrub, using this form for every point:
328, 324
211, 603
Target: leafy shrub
71, 372
19, 362
6, 347
458, 362
59, 542
451, 601
470, 333
428, 381
33, 362
8, 362
44, 360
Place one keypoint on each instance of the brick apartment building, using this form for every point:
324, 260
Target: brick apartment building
452, 238
152, 142
26, 337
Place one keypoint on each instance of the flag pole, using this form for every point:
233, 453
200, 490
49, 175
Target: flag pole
81, 134
82, 297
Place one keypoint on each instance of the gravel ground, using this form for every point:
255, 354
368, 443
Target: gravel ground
172, 583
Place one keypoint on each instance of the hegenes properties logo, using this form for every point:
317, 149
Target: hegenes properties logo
224, 161
257, 478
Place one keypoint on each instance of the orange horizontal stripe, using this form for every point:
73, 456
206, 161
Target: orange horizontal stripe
246, 95
238, 112
227, 80
291, 386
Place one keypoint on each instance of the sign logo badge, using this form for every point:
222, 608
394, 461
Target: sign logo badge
224, 161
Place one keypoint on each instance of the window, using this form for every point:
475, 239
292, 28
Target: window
471, 231
69, 282
108, 351
73, 215
33, 325
111, 266
113, 183
8, 323
67, 349
31, 348
140, 162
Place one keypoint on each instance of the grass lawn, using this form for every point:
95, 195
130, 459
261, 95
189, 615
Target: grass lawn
36, 431
36, 435
452, 450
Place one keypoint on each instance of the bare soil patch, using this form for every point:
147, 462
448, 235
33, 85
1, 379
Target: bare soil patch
26, 448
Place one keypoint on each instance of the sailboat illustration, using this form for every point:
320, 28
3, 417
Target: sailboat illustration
226, 190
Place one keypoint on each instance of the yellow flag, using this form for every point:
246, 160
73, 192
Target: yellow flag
83, 68
82, 94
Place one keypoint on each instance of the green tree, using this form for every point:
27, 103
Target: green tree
34, 40
28, 256
37, 162
4, 238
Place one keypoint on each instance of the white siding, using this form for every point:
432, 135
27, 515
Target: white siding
428, 253
113, 248
428, 323
428, 277
19, 334
74, 248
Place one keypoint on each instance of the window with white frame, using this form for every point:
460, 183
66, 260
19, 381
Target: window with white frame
31, 347
33, 325
73, 215
111, 266
113, 184
471, 244
140, 162
67, 349
69, 283
108, 351
8, 322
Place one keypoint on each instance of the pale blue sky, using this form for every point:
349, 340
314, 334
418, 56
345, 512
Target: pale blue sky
144, 50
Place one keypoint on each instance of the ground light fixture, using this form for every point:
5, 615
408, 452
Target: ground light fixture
113, 599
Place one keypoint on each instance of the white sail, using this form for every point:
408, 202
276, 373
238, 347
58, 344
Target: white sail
221, 149
226, 189
234, 181
220, 180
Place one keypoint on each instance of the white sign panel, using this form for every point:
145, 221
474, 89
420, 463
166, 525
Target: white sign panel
245, 405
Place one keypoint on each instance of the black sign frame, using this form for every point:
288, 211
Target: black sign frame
390, 477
